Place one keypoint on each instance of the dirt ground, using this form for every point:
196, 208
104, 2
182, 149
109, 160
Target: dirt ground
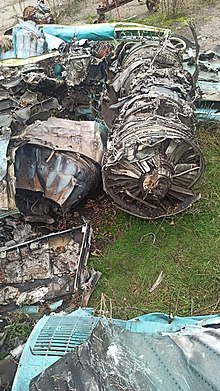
205, 14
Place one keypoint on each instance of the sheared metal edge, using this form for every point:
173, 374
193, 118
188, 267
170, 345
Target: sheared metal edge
7, 179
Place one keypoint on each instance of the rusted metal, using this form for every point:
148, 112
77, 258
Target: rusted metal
40, 13
109, 5
152, 160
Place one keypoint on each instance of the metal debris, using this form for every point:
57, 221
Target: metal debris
17, 109
83, 66
57, 165
45, 347
54, 164
152, 159
129, 355
42, 270
207, 103
40, 13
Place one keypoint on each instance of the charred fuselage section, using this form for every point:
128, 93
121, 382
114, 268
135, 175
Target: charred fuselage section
152, 160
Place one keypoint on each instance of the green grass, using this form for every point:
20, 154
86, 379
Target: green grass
18, 330
160, 20
186, 248
156, 20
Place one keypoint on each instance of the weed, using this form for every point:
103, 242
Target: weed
18, 328
90, 18
172, 8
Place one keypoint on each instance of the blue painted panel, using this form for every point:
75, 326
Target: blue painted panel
95, 32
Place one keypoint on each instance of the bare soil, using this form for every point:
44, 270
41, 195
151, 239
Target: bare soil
205, 14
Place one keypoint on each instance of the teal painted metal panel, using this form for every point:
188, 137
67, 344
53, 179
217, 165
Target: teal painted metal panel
117, 359
96, 32
56, 335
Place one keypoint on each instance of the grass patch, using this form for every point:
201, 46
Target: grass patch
160, 20
185, 247
18, 329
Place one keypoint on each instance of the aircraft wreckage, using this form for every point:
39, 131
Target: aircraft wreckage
136, 91
104, 107
114, 103
152, 160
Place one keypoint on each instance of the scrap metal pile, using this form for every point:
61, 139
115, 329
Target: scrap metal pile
126, 110
151, 161
50, 164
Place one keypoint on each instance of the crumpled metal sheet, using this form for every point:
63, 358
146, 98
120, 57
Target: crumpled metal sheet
42, 270
83, 66
209, 74
58, 134
116, 359
16, 112
44, 345
57, 165
152, 159
208, 107
40, 13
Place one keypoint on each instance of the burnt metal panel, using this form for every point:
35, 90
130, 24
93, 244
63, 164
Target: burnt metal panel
46, 268
58, 134
52, 164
